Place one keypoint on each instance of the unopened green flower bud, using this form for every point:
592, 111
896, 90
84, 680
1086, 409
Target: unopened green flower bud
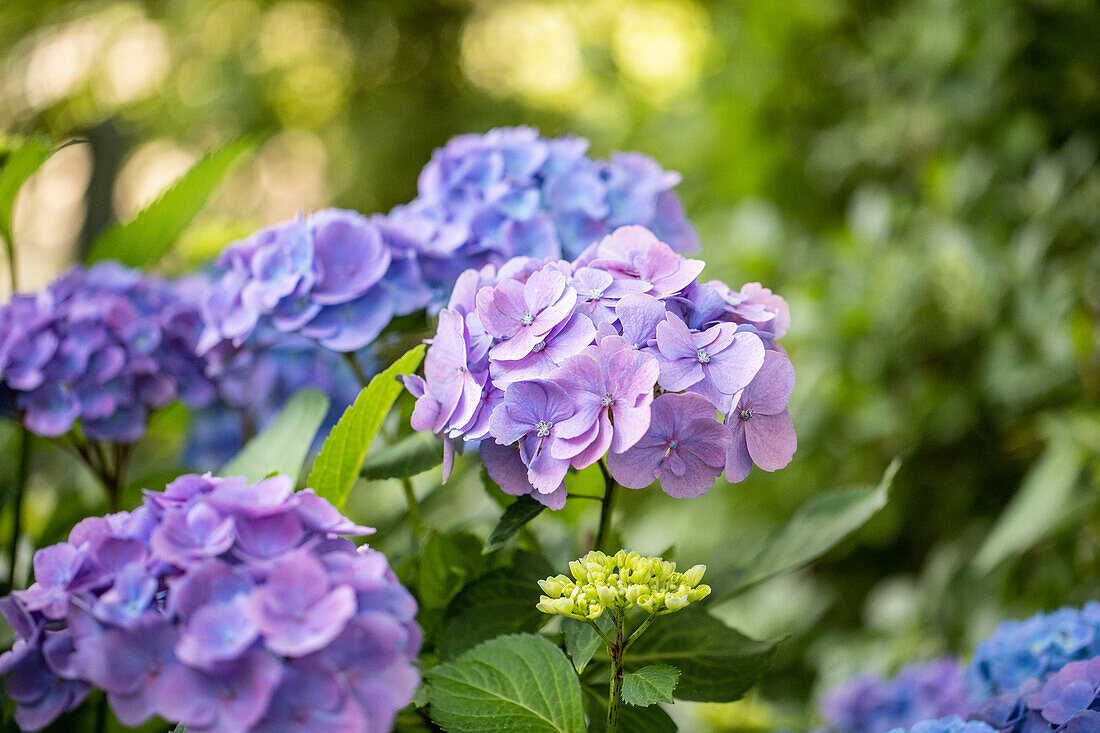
675, 603
553, 586
579, 570
607, 595
693, 575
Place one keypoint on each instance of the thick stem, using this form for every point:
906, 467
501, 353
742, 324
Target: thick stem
21, 476
414, 508
638, 632
615, 693
602, 534
349, 357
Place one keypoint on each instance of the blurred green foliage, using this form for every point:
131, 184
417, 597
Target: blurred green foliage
920, 178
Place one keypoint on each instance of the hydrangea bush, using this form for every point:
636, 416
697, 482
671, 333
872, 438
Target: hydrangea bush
220, 605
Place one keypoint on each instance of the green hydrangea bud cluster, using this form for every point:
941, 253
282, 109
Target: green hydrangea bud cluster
620, 582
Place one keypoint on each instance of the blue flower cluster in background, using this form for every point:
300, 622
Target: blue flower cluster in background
950, 724
104, 345
220, 605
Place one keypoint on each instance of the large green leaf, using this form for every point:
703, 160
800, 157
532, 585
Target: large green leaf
716, 663
818, 526
409, 456
650, 685
652, 719
448, 562
1044, 502
582, 641
511, 683
23, 161
502, 602
515, 517
336, 469
282, 447
145, 239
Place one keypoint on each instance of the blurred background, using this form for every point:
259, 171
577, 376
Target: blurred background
920, 179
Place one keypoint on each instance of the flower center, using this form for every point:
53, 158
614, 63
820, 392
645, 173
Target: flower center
608, 399
672, 445
539, 346
703, 356
746, 414
594, 295
526, 319
542, 429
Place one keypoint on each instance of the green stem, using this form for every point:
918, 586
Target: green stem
414, 508
615, 693
604, 531
639, 631
21, 476
349, 357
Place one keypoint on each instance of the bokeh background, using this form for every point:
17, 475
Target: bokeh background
920, 179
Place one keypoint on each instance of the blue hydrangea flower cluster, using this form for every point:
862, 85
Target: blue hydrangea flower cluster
219, 605
253, 385
104, 346
921, 691
552, 364
1067, 702
1034, 648
950, 724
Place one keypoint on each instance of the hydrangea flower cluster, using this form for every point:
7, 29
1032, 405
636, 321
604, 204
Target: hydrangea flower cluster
511, 193
950, 724
104, 346
253, 385
219, 605
1034, 648
1067, 702
623, 352
921, 691
620, 582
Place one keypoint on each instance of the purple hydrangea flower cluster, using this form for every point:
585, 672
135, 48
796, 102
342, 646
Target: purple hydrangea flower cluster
104, 346
922, 691
219, 605
1067, 702
621, 353
253, 385
511, 193
1034, 648
950, 724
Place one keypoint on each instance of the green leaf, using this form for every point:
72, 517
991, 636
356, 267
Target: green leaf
582, 641
818, 526
511, 683
502, 602
650, 685
518, 514
282, 446
18, 167
335, 470
716, 663
145, 239
407, 457
652, 719
448, 562
1044, 501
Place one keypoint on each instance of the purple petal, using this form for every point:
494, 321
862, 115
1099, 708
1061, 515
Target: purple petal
771, 440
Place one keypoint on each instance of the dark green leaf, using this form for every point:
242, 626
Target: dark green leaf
448, 562
518, 514
716, 663
409, 456
18, 167
145, 239
818, 526
652, 719
282, 446
511, 683
336, 469
650, 685
502, 602
582, 641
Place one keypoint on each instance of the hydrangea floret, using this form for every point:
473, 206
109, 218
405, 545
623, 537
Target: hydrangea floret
621, 354
949, 724
1067, 702
220, 605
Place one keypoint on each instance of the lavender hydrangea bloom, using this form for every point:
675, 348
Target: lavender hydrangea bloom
211, 605
1066, 702
1034, 648
603, 335
104, 346
950, 724
763, 432
920, 691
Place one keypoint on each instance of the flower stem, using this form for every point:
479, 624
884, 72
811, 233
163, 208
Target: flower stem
615, 693
349, 357
414, 508
602, 534
21, 476
639, 631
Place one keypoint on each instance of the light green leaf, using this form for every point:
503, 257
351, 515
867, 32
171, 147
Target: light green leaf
519, 513
650, 685
652, 719
1043, 503
818, 526
582, 641
502, 602
23, 161
335, 470
716, 663
511, 683
282, 447
447, 563
145, 239
409, 456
